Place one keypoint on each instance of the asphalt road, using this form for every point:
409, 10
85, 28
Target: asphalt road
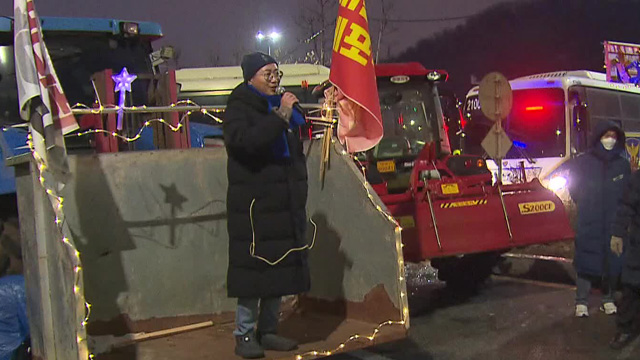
508, 318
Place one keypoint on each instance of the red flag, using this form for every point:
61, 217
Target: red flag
353, 74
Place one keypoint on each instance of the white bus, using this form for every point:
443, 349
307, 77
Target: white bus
212, 86
550, 122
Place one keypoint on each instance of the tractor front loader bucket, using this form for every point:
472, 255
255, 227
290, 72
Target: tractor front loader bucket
484, 218
150, 228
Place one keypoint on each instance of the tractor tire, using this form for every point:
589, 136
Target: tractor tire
466, 272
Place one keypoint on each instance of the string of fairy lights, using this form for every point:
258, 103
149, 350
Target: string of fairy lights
403, 300
172, 107
84, 308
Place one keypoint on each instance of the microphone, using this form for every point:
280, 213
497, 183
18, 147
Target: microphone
318, 90
281, 90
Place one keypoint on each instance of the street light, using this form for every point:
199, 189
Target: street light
271, 38
274, 36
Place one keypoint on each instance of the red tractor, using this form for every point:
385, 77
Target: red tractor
447, 205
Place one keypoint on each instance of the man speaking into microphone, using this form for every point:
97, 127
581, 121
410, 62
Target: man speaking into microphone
266, 204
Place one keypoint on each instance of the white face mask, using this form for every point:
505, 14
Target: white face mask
608, 142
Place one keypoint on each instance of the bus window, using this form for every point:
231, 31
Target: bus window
602, 105
579, 122
535, 124
630, 104
204, 99
220, 98
624, 108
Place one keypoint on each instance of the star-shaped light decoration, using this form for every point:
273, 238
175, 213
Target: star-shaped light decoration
123, 84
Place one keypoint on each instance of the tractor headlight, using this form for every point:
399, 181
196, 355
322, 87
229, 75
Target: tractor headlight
435, 76
557, 183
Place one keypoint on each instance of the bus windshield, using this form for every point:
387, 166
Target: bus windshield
409, 120
536, 124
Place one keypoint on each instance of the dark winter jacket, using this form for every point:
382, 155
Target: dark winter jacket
596, 184
627, 226
266, 200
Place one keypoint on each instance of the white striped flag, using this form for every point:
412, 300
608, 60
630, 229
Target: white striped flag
42, 101
44, 105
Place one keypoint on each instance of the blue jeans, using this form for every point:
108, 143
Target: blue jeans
583, 286
263, 312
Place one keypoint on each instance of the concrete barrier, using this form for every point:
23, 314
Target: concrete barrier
151, 231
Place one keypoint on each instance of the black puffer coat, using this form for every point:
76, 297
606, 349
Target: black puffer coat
266, 200
627, 226
597, 181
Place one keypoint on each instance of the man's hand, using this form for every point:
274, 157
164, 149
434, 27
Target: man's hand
288, 99
616, 245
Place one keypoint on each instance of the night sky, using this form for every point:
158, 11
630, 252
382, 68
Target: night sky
204, 29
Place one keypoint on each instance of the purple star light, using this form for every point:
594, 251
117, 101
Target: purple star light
123, 84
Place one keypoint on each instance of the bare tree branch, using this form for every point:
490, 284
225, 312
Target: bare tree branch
238, 53
316, 21
177, 55
387, 10
214, 59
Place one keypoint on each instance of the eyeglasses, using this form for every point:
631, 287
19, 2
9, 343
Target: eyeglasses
276, 75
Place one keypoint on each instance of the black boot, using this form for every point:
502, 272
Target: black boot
247, 346
271, 341
621, 340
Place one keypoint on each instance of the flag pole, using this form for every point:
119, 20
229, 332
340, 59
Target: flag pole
327, 118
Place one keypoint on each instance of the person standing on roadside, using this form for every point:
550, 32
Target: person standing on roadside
266, 205
627, 226
596, 184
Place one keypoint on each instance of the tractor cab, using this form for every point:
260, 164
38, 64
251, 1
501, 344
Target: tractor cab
413, 119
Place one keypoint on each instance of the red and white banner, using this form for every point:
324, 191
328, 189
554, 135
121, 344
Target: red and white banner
44, 105
353, 74
42, 101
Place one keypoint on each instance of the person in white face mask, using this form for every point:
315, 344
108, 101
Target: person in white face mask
609, 140
596, 184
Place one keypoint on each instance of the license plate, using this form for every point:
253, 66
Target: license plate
450, 189
406, 222
386, 166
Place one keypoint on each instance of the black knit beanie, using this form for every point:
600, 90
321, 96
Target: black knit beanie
253, 62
